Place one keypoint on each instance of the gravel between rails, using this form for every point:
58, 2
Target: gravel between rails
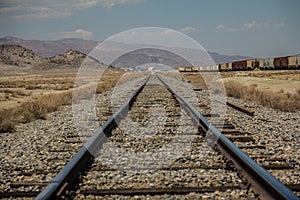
133, 159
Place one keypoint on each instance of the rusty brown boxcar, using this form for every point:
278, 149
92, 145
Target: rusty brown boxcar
243, 65
277, 64
284, 62
240, 65
281, 62
235, 65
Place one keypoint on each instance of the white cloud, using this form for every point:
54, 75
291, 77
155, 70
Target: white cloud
220, 27
254, 24
112, 3
189, 29
21, 9
79, 33
250, 25
168, 32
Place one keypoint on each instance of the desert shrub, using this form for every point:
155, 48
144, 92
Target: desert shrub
26, 116
6, 122
7, 126
281, 91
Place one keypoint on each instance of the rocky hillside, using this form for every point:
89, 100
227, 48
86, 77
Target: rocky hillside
23, 57
19, 56
71, 58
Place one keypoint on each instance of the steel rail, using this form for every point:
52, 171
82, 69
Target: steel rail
262, 181
81, 160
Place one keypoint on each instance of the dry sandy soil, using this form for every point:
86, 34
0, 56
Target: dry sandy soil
21, 85
284, 81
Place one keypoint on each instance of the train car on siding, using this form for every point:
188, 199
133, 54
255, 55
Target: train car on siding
266, 64
293, 63
181, 69
214, 68
235, 65
284, 62
195, 69
277, 63
281, 62
229, 66
261, 63
222, 67
271, 63
242, 65
249, 64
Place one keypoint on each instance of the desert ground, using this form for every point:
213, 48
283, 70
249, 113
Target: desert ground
26, 95
278, 89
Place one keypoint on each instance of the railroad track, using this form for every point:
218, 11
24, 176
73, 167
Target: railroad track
273, 160
137, 156
37, 159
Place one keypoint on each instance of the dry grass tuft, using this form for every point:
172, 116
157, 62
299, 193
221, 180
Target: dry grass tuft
280, 100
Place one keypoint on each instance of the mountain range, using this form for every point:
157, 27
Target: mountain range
71, 52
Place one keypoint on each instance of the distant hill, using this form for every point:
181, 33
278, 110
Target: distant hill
52, 48
71, 59
19, 56
56, 53
23, 57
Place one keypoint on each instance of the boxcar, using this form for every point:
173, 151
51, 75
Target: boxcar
281, 62
229, 66
222, 67
277, 63
215, 67
261, 63
271, 63
250, 64
239, 65
181, 69
292, 62
255, 64
195, 69
243, 64
203, 68
235, 65
284, 62
266, 64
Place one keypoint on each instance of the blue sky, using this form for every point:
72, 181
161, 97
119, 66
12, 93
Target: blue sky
258, 28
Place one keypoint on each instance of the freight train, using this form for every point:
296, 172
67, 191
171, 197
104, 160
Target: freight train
286, 62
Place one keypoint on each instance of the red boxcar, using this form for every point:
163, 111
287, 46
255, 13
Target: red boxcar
239, 65
277, 63
281, 62
284, 62
242, 65
235, 65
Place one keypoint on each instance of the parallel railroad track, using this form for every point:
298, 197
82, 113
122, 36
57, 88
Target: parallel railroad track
110, 170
